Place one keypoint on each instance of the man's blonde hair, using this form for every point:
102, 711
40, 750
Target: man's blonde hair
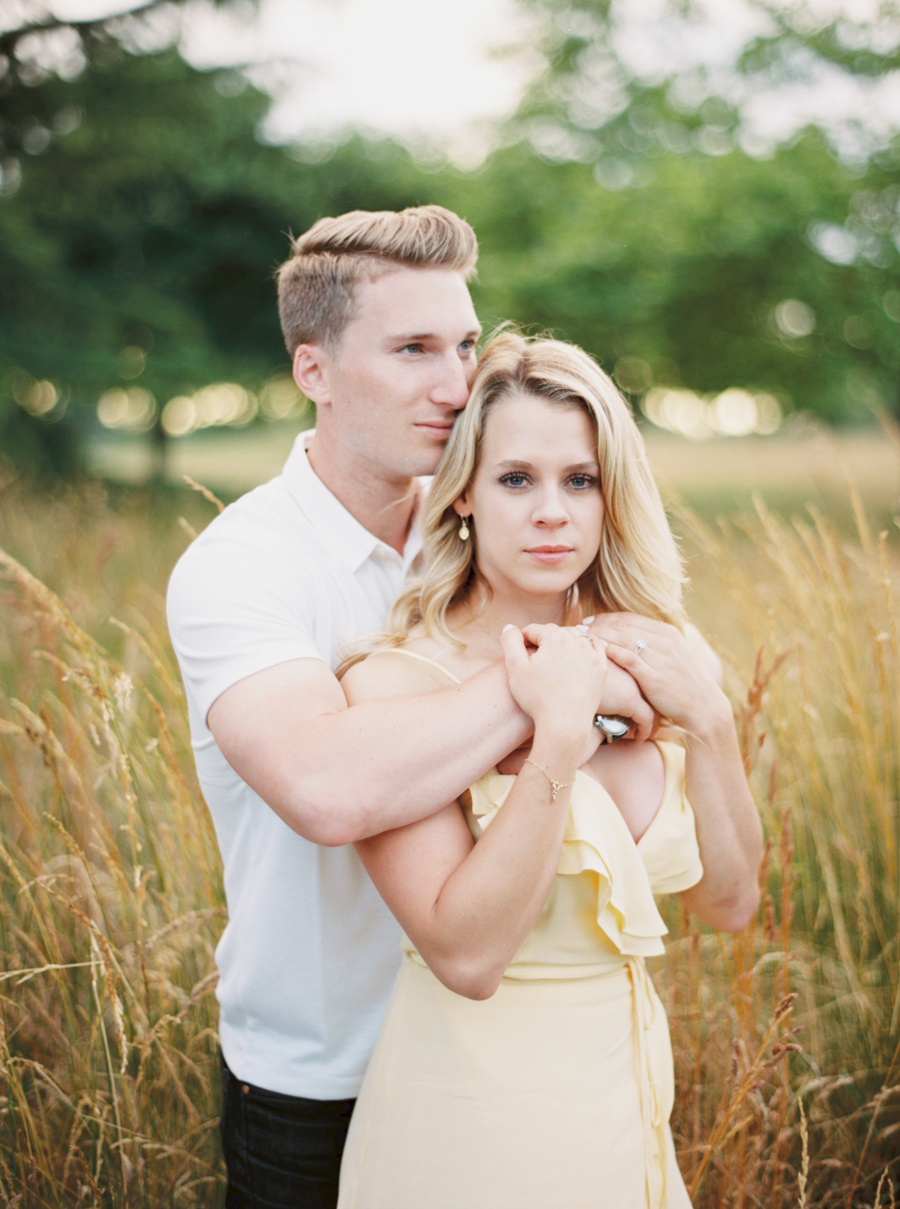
637, 568
317, 284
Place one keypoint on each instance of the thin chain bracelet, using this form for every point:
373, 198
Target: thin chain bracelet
555, 786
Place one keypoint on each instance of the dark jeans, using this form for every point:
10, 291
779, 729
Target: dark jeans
282, 1152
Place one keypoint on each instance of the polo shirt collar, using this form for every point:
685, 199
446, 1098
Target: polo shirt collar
349, 541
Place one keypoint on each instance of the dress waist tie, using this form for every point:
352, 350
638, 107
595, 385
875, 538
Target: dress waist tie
656, 1159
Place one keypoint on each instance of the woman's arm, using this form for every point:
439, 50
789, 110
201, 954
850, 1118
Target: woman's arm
679, 680
467, 907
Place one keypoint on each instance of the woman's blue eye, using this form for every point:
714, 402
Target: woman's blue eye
514, 479
581, 481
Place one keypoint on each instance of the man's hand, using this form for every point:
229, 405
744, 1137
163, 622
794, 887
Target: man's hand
622, 696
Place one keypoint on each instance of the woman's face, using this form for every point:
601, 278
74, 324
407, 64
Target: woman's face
535, 500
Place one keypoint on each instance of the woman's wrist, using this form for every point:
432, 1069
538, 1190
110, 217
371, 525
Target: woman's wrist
712, 721
559, 751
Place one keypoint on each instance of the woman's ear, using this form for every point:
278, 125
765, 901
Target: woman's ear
461, 507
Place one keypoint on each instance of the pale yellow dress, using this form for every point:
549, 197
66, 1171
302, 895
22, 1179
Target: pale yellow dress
556, 1092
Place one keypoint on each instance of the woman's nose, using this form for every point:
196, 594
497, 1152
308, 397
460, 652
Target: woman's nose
551, 508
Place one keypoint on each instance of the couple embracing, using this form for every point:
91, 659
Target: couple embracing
440, 862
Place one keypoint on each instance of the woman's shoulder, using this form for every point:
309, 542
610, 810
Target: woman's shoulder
403, 671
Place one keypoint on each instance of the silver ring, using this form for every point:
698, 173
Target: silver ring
612, 726
639, 646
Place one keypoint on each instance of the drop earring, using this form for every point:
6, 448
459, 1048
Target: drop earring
464, 529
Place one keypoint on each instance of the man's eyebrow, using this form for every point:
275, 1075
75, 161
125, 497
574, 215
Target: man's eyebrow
414, 337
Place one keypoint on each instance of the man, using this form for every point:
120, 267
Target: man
378, 320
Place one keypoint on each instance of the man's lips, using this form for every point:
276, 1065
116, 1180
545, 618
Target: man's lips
435, 428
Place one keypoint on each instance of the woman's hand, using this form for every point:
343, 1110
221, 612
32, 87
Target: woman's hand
560, 680
678, 673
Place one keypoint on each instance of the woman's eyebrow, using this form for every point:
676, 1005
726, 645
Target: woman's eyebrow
515, 464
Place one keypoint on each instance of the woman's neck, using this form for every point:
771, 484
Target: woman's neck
479, 624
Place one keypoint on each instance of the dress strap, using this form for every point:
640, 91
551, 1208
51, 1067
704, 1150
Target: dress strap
429, 659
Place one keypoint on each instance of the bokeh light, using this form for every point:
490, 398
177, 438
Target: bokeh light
39, 397
231, 405
794, 319
732, 413
133, 410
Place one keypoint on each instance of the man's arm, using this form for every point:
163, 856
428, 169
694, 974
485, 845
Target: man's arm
337, 774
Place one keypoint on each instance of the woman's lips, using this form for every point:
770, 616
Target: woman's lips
549, 554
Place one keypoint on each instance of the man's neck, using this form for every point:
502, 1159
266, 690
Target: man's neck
383, 506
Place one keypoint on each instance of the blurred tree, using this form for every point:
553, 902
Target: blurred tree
139, 239
704, 270
670, 233
141, 219
37, 45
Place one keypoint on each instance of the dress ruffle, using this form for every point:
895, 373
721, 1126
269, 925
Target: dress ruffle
597, 839
669, 847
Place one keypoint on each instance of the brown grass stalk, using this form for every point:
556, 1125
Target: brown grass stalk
111, 902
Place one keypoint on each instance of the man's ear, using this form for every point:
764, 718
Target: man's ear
311, 373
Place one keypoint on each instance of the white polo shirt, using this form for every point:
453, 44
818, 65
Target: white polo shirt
310, 951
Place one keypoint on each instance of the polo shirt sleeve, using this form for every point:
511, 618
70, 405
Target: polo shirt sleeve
234, 608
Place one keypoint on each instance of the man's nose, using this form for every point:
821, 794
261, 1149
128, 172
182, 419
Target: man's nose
452, 387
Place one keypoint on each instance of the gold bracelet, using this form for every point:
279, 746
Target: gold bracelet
555, 786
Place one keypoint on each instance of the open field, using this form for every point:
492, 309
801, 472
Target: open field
805, 463
786, 1037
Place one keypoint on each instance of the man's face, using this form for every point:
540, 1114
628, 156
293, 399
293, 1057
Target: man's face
401, 371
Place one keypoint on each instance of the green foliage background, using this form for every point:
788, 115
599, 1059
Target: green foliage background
139, 209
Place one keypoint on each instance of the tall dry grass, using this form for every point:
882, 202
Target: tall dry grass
785, 1037
110, 902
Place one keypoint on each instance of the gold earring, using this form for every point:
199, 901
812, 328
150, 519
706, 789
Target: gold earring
464, 529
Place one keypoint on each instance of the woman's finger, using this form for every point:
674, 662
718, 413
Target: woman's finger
535, 633
512, 642
630, 660
625, 629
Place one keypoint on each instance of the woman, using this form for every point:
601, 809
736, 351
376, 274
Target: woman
524, 1059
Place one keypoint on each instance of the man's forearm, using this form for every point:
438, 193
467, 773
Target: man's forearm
355, 772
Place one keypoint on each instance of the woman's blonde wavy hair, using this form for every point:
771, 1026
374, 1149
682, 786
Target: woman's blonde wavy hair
637, 568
